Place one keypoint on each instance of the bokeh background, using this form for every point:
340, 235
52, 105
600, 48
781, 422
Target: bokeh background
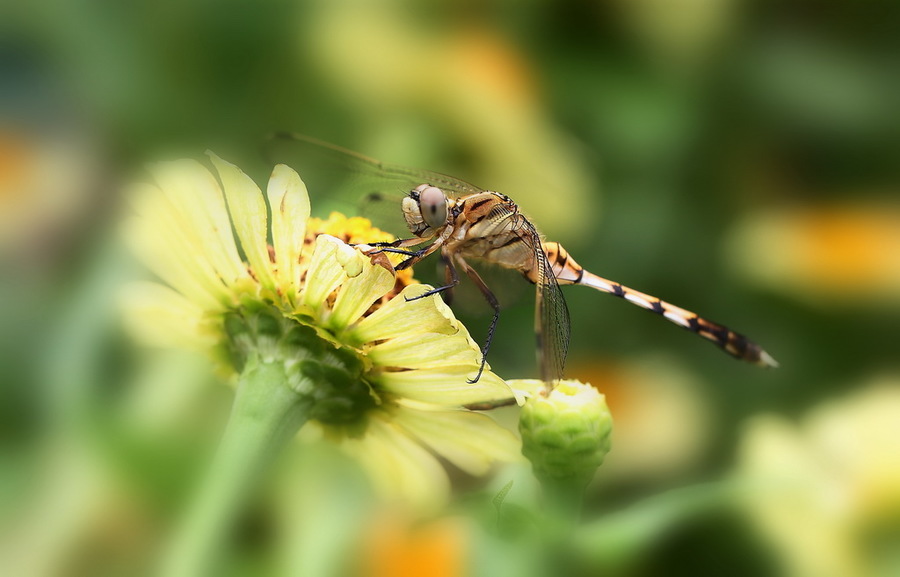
740, 159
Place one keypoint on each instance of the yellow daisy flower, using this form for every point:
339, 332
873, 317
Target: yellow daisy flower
829, 498
826, 254
264, 285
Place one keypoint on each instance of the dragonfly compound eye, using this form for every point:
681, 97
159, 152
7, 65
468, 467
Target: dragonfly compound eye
422, 207
433, 204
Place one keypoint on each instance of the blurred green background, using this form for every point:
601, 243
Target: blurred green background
739, 159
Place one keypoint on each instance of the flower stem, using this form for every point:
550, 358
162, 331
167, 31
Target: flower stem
562, 503
265, 415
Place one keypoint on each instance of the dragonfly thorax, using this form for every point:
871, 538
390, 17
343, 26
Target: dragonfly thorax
425, 210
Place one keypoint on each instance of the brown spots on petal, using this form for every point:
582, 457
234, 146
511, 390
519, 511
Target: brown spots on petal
381, 259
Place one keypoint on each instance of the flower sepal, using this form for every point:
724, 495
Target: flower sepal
326, 376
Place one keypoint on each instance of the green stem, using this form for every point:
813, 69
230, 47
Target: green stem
265, 415
562, 503
561, 507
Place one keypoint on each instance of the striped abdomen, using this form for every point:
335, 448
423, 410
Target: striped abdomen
567, 271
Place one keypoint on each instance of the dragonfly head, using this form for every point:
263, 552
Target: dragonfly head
425, 210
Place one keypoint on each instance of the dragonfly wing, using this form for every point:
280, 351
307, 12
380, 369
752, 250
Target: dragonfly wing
552, 323
340, 179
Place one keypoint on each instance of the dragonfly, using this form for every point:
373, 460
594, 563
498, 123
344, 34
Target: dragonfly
463, 222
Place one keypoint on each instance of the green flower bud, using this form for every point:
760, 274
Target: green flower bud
566, 433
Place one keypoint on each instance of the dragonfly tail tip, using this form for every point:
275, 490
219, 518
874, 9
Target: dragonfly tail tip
766, 360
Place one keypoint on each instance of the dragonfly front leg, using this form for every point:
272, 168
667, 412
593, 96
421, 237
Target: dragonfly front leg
399, 246
400, 242
410, 253
495, 304
418, 255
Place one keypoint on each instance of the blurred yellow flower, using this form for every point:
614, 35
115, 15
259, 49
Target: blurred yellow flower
399, 547
664, 423
383, 52
48, 183
829, 489
388, 375
678, 33
826, 253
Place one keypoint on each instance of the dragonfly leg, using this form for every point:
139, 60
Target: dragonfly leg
452, 281
410, 253
450, 276
495, 304
419, 255
397, 246
400, 242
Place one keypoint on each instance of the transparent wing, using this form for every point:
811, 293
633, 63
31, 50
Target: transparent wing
552, 323
340, 179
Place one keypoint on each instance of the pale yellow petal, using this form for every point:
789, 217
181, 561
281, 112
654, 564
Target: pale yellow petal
174, 238
249, 216
158, 316
400, 467
425, 351
526, 387
174, 264
219, 236
197, 210
289, 202
400, 317
324, 274
349, 258
446, 386
471, 441
357, 294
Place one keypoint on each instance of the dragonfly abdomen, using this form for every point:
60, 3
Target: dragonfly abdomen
567, 271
